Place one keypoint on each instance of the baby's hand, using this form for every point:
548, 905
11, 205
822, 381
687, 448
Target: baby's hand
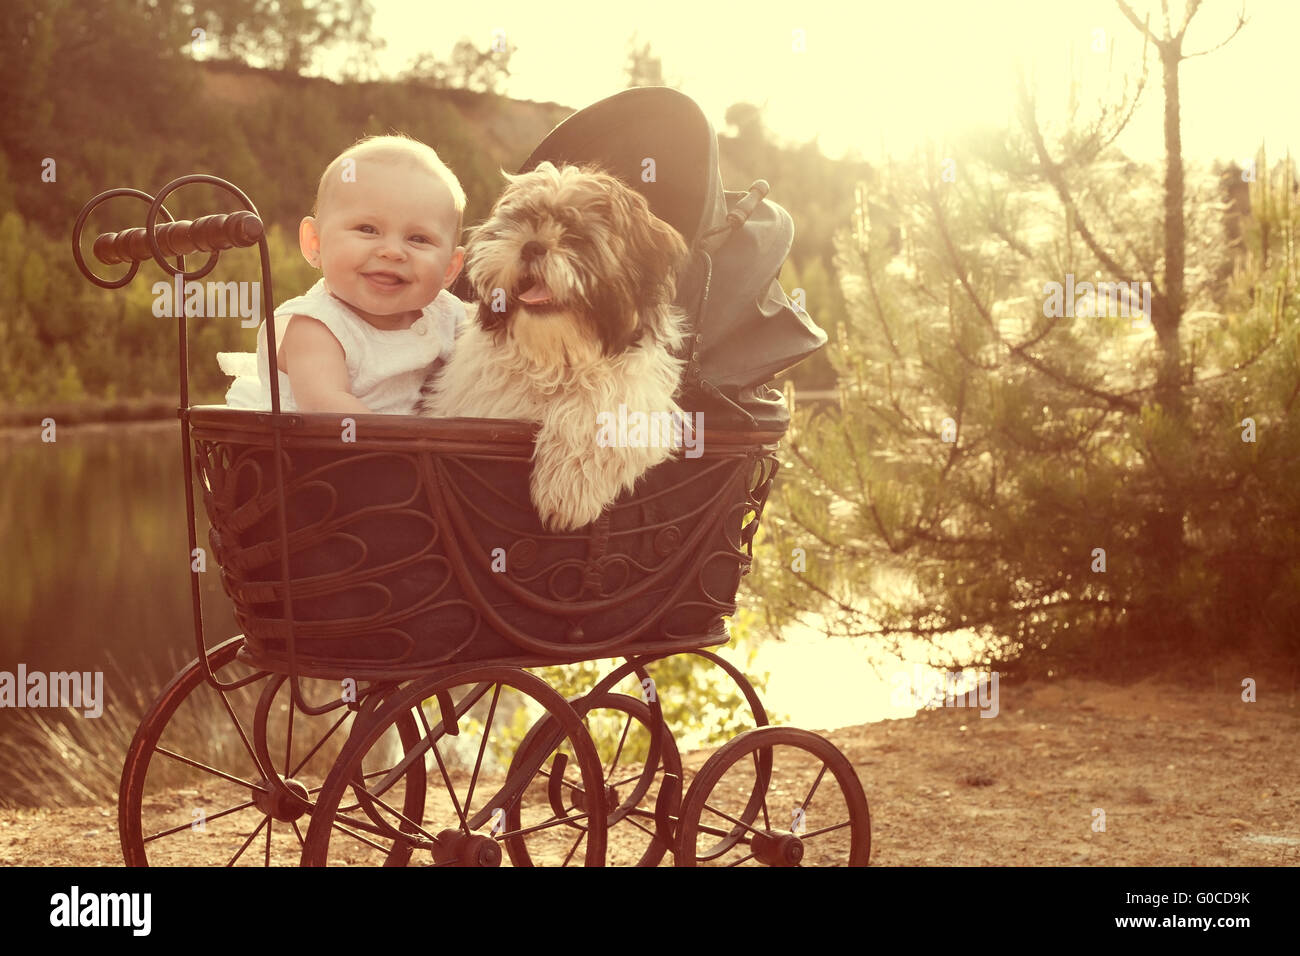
318, 374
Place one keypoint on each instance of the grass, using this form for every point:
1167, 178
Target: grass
58, 758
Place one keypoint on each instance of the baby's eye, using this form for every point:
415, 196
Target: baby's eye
423, 238
365, 225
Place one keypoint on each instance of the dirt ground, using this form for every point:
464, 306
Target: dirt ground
1184, 777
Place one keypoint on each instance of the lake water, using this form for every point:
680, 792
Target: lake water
97, 566
95, 555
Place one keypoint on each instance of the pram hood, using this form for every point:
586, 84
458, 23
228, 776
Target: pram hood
748, 331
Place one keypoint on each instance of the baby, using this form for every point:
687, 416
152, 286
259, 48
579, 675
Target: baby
384, 234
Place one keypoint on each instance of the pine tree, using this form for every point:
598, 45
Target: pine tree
1022, 467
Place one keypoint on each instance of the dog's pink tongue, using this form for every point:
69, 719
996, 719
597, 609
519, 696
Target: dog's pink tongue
536, 295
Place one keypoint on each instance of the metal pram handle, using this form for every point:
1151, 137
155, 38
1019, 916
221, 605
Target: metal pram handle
206, 234
213, 235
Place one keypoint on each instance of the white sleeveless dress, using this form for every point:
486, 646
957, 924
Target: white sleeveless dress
385, 368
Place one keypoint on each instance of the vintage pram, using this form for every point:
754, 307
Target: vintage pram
394, 590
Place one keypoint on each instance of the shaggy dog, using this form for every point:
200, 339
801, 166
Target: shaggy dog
575, 279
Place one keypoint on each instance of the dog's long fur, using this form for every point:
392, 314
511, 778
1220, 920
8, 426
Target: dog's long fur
605, 337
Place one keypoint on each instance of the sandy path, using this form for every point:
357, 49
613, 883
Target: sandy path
1184, 778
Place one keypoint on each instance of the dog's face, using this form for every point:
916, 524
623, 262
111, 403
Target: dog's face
573, 264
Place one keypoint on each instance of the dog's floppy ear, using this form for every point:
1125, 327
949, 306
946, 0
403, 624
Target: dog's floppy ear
490, 321
663, 251
659, 252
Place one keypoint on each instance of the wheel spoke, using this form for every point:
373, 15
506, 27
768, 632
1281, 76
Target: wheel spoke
576, 788
288, 735
269, 825
400, 816
640, 826
320, 743
819, 832
728, 816
635, 776
357, 836
627, 725
442, 768
369, 826
568, 856
718, 831
251, 837
747, 856
554, 822
758, 774
813, 789
207, 818
482, 746
206, 769
395, 772
451, 790
248, 747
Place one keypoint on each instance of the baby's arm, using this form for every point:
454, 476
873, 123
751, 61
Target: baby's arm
313, 359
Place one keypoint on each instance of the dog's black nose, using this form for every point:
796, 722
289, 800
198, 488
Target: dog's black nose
533, 250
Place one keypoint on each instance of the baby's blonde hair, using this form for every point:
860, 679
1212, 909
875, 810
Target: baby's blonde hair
395, 147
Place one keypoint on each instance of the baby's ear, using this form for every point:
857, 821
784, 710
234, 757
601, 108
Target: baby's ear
454, 266
309, 240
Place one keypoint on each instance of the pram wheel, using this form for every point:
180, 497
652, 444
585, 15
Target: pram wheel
485, 784
636, 751
807, 817
194, 790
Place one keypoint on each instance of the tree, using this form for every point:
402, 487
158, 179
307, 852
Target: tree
284, 34
1050, 478
468, 69
643, 68
748, 121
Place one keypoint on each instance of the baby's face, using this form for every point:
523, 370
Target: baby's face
386, 242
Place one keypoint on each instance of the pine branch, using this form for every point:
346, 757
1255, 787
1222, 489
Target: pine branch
1143, 26
869, 273
1241, 22
1052, 172
1018, 350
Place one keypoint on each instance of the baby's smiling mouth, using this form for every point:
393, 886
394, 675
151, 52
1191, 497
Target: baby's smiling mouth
385, 278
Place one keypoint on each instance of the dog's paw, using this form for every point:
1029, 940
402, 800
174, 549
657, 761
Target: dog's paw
565, 505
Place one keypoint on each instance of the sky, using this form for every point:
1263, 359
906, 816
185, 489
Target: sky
882, 77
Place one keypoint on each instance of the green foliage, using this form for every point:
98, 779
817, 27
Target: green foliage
1062, 445
64, 339
283, 34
